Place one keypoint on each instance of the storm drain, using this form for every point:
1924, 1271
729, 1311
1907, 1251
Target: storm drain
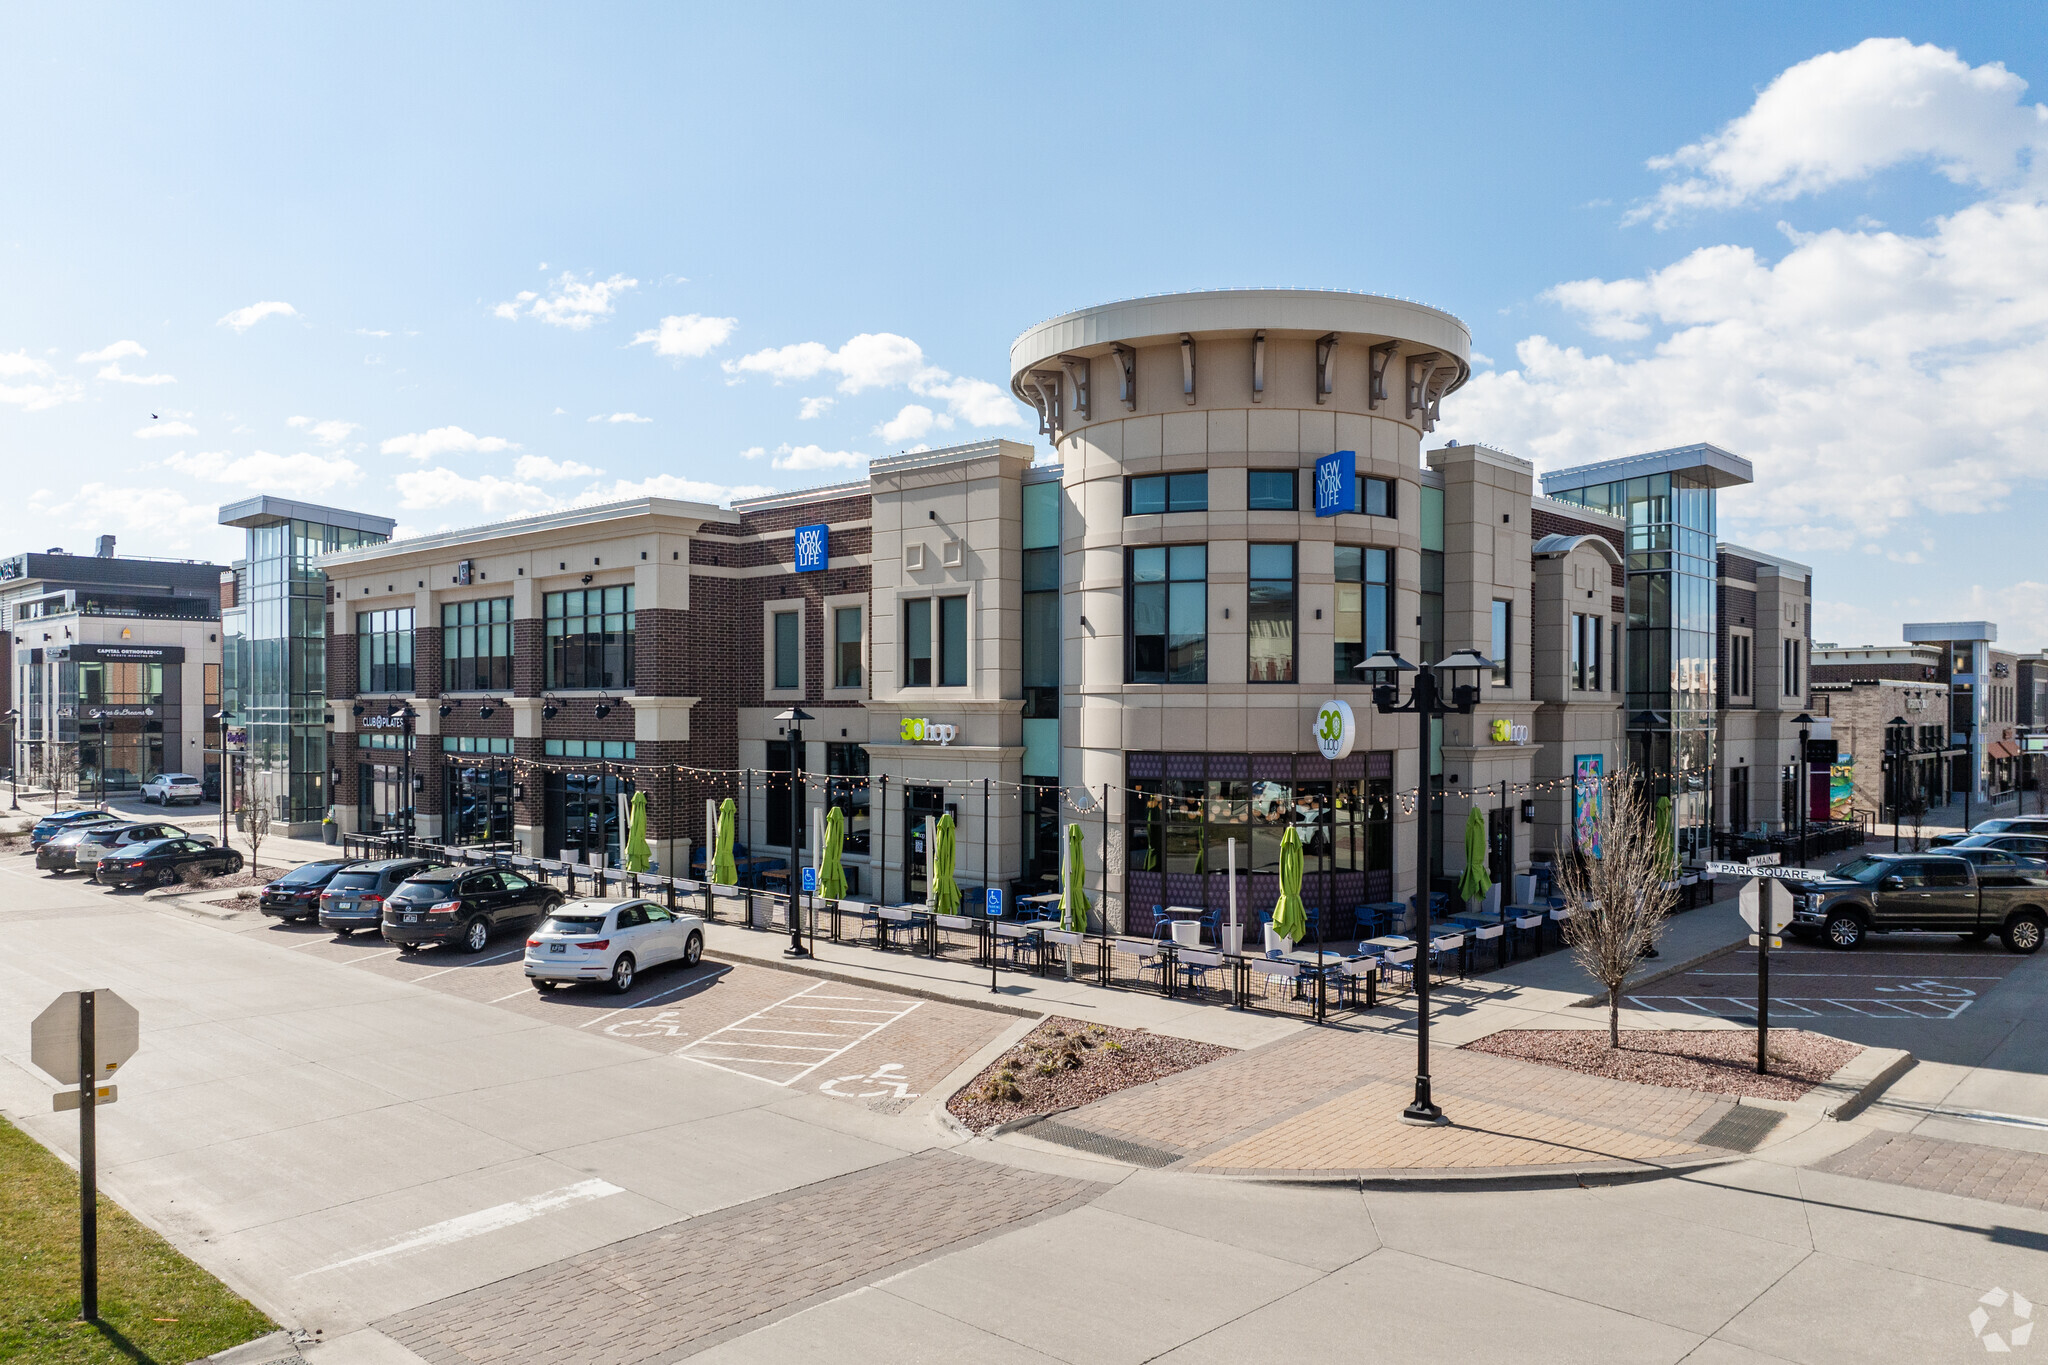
1743, 1128
1099, 1144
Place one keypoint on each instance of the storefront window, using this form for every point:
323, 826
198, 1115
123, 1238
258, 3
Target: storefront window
479, 805
847, 790
1168, 623
590, 638
1269, 623
1365, 604
777, 796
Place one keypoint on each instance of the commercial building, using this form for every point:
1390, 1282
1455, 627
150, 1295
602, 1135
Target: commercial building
1983, 695
113, 666
274, 634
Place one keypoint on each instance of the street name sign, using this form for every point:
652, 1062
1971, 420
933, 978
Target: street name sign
1782, 874
53, 1037
1764, 859
64, 1101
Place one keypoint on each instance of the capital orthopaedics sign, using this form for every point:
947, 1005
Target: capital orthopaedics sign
917, 730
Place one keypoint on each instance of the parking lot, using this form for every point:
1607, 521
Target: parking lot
1907, 976
783, 1028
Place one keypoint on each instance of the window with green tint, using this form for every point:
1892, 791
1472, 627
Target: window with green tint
846, 653
1501, 645
1269, 614
1365, 606
1432, 518
1041, 633
1041, 515
1376, 496
476, 645
917, 642
1151, 493
788, 663
590, 637
1167, 614
952, 642
1271, 490
384, 650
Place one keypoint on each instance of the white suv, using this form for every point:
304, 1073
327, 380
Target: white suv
168, 789
592, 940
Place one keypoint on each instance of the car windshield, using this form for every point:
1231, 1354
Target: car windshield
353, 881
576, 924
1864, 870
311, 872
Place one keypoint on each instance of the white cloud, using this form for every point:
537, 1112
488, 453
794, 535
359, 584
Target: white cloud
753, 452
1870, 376
331, 432
440, 487
669, 486
268, 473
242, 319
158, 430
618, 417
1843, 116
569, 302
165, 519
47, 388
540, 467
119, 350
875, 360
370, 332
117, 375
912, 423
687, 336
426, 445
813, 407
816, 457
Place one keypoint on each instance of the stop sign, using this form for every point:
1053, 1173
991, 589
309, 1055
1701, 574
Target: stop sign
53, 1037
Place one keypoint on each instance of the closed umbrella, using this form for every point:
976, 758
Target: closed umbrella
723, 871
945, 892
831, 876
1667, 853
1290, 916
1074, 905
638, 855
1476, 881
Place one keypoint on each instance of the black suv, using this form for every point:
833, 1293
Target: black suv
463, 905
296, 895
354, 897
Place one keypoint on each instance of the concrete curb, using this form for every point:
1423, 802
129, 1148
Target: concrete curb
273, 1348
1439, 1178
1637, 983
802, 968
1850, 1090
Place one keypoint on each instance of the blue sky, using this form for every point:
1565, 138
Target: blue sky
771, 242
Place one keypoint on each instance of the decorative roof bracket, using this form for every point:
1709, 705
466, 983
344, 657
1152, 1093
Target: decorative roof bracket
1326, 366
1127, 362
1187, 366
1259, 366
1045, 384
1076, 368
1382, 356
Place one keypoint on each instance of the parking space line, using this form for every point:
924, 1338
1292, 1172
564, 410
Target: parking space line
520, 951
870, 1028
706, 979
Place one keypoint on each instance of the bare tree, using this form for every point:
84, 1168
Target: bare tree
256, 827
1618, 888
1916, 814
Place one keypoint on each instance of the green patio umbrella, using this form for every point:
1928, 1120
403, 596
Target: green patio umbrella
1074, 906
1476, 881
638, 855
1290, 916
831, 876
1667, 859
945, 891
723, 870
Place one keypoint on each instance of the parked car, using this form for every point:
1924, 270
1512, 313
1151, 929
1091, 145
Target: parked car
168, 789
1890, 892
50, 826
2026, 845
296, 895
354, 896
1999, 860
588, 940
162, 862
2011, 824
463, 905
101, 840
59, 852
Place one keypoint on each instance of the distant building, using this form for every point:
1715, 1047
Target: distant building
1983, 694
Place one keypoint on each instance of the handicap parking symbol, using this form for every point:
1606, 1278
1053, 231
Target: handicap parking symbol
666, 1024
884, 1082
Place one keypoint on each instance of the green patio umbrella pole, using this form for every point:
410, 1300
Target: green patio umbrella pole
1290, 916
831, 875
724, 872
1074, 906
638, 855
1475, 881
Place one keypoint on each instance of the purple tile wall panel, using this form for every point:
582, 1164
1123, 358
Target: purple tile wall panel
1379, 886
1183, 888
1272, 767
1146, 889
1184, 766
1143, 765
1350, 769
1379, 763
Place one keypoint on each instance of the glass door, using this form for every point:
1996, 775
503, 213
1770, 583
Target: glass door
919, 804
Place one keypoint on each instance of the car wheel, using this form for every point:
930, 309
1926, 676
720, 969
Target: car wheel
1975, 936
2022, 933
622, 974
167, 878
234, 864
1844, 930
476, 935
693, 951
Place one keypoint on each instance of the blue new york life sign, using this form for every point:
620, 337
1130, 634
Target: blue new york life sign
812, 549
1337, 483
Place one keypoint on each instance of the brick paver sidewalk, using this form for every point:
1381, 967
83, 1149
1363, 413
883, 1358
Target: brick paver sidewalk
1328, 1103
2000, 1175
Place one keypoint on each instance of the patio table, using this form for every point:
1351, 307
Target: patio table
891, 919
1482, 928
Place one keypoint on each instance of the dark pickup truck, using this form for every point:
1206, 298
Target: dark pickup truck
1937, 892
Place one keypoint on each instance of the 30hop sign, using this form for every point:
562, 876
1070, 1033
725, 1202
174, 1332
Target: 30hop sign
812, 548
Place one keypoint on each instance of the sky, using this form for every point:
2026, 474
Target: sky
456, 263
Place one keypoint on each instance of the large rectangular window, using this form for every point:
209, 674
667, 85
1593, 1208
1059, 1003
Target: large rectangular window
1271, 490
1587, 633
1041, 634
590, 638
384, 650
917, 642
1501, 643
1740, 664
952, 642
1365, 606
1375, 496
1167, 623
788, 651
1791, 668
1269, 623
846, 788
846, 647
1166, 493
476, 646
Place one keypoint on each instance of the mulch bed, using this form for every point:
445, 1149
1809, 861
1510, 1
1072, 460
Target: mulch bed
1719, 1061
247, 877
1065, 1062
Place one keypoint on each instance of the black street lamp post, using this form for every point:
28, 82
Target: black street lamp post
1895, 769
13, 760
1427, 701
793, 720
1805, 793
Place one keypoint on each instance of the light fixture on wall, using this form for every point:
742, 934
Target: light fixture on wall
447, 710
549, 710
604, 707
357, 709
587, 577
487, 708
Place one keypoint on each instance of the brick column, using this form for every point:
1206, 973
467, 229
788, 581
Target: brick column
426, 661
529, 667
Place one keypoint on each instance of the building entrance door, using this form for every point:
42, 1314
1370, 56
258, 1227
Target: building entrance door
919, 804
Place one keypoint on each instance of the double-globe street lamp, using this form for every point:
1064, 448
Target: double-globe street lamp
1895, 769
1805, 776
1427, 701
793, 722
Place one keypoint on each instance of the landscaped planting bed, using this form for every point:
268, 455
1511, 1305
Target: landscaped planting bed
1719, 1061
1065, 1062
